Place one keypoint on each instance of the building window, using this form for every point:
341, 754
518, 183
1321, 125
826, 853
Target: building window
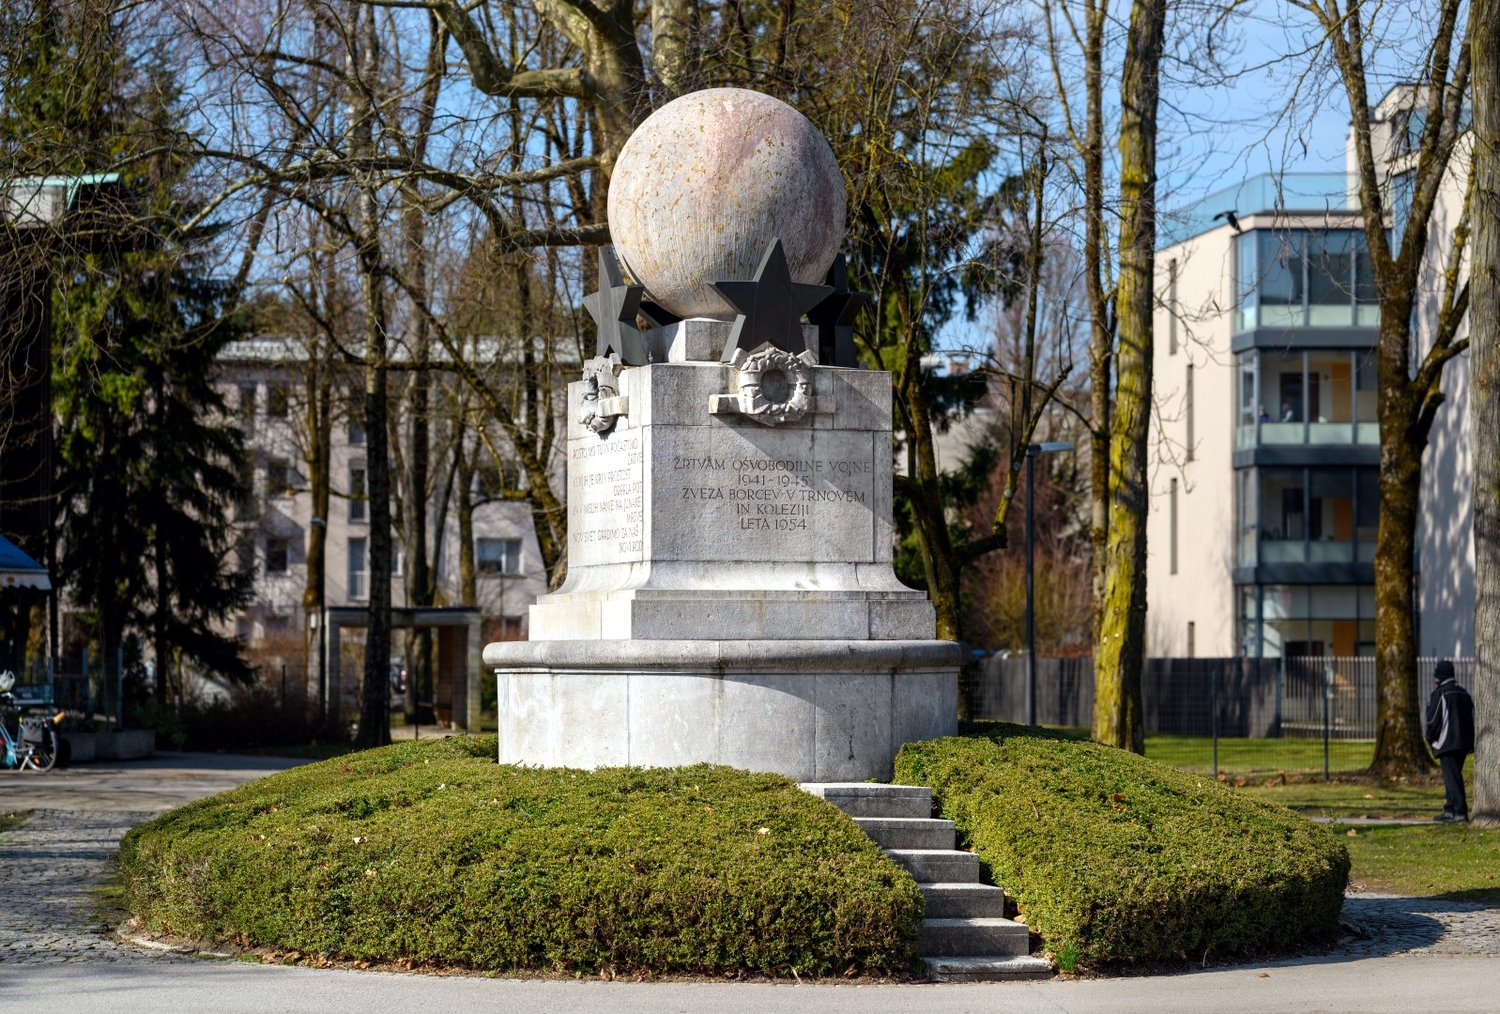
1188, 410
1303, 620
246, 504
244, 554
247, 409
1305, 278
1192, 646
276, 556
498, 556
356, 433
1172, 307
1172, 528
1317, 515
1318, 396
280, 477
359, 570
278, 400
359, 495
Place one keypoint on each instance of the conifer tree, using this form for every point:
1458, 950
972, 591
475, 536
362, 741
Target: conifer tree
148, 464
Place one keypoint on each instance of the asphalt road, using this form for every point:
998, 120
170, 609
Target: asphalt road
186, 986
1425, 955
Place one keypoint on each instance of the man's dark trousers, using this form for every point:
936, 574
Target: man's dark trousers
1453, 783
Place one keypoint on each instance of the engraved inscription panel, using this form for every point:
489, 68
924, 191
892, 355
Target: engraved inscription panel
606, 499
720, 493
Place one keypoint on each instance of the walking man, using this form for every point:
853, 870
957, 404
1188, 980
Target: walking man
1450, 731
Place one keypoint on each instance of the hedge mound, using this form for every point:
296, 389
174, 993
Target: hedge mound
432, 853
1115, 859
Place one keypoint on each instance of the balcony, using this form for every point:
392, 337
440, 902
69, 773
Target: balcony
1310, 523
1308, 398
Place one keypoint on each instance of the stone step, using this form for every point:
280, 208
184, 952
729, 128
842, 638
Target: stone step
973, 937
988, 969
871, 799
962, 901
938, 866
909, 832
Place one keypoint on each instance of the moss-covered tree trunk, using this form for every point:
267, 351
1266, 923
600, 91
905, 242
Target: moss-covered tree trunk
1484, 405
1120, 652
1410, 381
1398, 735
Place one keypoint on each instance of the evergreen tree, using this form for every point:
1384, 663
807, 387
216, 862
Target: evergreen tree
148, 462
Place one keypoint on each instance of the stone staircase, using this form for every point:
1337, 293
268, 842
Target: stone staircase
965, 935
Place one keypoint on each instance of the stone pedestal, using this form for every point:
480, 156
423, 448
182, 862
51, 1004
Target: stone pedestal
826, 710
730, 596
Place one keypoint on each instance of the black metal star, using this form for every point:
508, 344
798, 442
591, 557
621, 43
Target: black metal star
613, 308
770, 306
835, 317
657, 315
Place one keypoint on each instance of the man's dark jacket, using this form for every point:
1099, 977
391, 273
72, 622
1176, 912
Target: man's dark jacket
1450, 719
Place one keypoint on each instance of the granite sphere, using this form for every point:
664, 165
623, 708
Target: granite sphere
708, 181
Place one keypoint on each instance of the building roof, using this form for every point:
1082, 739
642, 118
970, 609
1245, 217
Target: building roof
1268, 193
32, 201
17, 570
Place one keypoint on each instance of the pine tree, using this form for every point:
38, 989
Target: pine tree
148, 477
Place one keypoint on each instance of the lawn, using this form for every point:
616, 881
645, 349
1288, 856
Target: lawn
10, 820
1427, 860
1261, 758
1423, 860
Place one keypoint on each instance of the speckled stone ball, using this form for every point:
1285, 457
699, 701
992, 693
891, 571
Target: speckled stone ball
708, 181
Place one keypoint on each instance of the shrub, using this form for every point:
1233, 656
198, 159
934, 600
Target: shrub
1115, 859
432, 853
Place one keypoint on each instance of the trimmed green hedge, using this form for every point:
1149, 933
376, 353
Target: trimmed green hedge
1115, 859
432, 853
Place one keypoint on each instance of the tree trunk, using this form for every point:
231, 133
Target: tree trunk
1484, 402
669, 47
468, 586
375, 706
375, 710
1399, 746
1120, 653
319, 422
1101, 331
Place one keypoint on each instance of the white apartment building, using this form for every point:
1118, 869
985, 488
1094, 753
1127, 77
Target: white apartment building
1264, 495
262, 381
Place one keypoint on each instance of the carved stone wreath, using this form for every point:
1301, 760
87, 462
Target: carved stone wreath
775, 387
602, 405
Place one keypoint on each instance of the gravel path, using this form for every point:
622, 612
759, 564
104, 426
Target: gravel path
50, 868
51, 865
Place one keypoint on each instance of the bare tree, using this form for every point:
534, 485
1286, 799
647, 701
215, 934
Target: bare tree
1410, 384
1484, 404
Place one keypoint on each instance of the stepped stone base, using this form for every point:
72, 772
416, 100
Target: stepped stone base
965, 935
832, 709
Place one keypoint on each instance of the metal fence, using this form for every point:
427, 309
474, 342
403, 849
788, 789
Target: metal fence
1306, 714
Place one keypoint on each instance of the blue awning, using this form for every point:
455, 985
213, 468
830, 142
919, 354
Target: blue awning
17, 570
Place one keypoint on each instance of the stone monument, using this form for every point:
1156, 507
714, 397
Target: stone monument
730, 596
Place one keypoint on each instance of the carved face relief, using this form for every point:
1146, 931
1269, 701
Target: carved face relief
602, 379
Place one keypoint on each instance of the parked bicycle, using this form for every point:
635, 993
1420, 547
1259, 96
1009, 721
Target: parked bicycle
34, 747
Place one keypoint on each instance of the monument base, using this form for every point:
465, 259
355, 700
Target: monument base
827, 710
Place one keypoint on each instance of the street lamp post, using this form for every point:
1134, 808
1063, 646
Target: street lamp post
1033, 451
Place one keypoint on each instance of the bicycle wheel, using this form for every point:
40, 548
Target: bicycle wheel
43, 754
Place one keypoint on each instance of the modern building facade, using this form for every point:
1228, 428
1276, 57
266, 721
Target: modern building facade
1265, 500
262, 380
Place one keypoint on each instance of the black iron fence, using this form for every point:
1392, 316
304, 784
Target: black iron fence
1306, 714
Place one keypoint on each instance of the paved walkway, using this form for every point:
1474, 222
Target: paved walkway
1419, 954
